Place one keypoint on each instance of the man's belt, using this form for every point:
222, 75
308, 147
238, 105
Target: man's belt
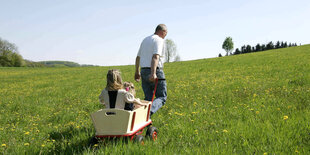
150, 68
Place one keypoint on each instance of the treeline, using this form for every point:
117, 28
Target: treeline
9, 57
62, 64
262, 47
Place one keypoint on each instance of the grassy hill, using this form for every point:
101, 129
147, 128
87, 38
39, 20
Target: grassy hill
59, 63
246, 104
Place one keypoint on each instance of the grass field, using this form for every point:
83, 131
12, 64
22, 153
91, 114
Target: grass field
256, 103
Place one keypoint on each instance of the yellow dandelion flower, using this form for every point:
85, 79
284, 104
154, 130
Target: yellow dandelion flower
26, 144
257, 112
196, 132
27, 133
43, 145
265, 153
3, 145
95, 145
285, 117
194, 112
225, 131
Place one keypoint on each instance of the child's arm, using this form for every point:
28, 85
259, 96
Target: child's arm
137, 101
129, 98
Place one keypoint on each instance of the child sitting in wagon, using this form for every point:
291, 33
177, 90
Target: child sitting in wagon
115, 96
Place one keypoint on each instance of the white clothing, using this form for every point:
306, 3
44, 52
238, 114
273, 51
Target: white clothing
122, 98
151, 45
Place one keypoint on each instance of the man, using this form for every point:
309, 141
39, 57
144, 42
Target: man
150, 59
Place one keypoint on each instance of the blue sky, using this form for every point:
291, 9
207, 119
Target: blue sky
109, 32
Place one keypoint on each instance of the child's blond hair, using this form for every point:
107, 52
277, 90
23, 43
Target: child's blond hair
114, 80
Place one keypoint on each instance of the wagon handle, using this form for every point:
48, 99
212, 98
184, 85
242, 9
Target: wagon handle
148, 113
156, 82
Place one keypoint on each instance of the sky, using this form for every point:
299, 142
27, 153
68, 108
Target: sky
109, 33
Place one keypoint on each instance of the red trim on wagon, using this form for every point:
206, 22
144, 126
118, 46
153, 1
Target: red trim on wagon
133, 121
148, 113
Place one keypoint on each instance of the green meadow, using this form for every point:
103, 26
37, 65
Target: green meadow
257, 103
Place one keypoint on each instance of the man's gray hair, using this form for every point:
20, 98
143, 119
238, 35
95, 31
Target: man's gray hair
161, 27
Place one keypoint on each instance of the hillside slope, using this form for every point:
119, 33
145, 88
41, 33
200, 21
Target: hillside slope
246, 104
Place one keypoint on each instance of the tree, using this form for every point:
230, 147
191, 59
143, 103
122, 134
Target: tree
263, 47
237, 51
228, 45
170, 50
258, 47
248, 49
220, 55
9, 56
177, 58
243, 49
278, 45
7, 46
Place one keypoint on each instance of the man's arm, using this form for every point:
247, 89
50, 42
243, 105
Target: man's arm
137, 73
154, 64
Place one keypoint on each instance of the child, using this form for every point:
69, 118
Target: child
128, 86
114, 96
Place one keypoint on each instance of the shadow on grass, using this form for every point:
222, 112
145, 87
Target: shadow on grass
82, 141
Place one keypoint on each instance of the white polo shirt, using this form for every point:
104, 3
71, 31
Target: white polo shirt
151, 45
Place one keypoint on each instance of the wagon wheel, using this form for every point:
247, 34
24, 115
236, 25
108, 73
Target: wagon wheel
139, 139
152, 133
94, 140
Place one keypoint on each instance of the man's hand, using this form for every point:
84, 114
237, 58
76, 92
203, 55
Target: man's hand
137, 76
153, 77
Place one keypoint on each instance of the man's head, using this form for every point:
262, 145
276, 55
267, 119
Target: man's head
161, 30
